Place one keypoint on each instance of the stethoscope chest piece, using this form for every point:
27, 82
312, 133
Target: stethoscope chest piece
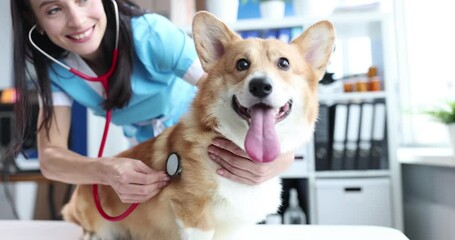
173, 164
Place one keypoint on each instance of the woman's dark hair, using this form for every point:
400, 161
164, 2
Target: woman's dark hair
119, 84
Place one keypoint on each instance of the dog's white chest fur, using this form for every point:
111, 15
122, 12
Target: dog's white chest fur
236, 206
240, 204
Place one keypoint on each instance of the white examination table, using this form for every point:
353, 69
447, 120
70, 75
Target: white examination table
58, 230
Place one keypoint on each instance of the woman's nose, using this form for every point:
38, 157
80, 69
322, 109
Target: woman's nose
76, 17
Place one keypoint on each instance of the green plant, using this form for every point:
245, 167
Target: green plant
444, 114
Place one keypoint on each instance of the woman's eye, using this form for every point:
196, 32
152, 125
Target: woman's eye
242, 64
283, 63
53, 11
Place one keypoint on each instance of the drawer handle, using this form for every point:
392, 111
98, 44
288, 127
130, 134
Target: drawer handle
352, 189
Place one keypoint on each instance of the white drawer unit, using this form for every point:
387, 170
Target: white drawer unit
354, 201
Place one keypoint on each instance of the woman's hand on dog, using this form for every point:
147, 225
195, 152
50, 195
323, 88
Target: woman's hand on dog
132, 180
237, 165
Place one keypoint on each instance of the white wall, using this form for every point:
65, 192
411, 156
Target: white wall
6, 52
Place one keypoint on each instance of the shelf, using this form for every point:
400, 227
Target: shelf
356, 17
289, 22
352, 174
258, 23
261, 24
292, 21
355, 96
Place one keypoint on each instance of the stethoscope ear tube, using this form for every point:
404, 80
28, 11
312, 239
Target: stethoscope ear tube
43, 52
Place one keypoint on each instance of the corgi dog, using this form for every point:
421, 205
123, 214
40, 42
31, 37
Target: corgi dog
260, 94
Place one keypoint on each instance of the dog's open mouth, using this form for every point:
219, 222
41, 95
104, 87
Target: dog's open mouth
261, 142
245, 112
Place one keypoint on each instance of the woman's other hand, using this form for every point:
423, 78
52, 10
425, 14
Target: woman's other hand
132, 180
237, 165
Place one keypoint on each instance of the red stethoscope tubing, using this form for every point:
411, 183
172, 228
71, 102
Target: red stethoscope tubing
96, 196
104, 80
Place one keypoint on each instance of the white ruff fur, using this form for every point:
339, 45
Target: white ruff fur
193, 233
236, 206
240, 204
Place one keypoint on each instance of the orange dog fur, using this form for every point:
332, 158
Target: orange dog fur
198, 204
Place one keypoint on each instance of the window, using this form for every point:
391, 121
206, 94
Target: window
427, 45
353, 49
351, 56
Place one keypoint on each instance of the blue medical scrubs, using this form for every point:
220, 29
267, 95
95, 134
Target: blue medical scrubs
164, 65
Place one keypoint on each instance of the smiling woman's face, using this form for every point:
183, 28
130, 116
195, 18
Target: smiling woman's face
75, 25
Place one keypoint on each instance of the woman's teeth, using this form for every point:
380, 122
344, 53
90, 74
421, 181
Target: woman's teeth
83, 35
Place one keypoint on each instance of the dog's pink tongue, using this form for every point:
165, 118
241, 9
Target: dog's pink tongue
261, 141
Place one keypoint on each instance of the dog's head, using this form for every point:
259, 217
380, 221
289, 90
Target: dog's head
260, 94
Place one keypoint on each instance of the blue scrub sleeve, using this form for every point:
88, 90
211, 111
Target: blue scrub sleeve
161, 46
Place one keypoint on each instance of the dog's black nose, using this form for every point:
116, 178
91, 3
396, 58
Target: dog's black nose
260, 87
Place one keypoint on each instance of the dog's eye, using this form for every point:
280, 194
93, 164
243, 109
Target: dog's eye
242, 64
283, 63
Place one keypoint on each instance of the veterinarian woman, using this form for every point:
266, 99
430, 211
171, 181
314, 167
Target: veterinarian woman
151, 86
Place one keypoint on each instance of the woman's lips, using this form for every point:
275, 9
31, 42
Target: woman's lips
82, 36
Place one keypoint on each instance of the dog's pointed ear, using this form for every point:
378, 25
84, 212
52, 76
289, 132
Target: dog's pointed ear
211, 38
316, 44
